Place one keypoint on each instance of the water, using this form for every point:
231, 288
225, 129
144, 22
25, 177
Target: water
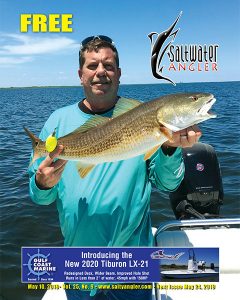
24, 223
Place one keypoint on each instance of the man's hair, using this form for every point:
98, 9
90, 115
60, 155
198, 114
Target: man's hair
95, 45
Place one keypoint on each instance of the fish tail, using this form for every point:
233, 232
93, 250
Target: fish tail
35, 140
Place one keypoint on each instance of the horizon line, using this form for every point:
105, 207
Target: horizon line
69, 86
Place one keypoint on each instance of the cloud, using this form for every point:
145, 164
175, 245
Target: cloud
14, 60
16, 45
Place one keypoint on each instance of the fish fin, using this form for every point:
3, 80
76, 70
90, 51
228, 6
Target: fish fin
150, 152
89, 124
84, 169
166, 132
35, 157
35, 140
123, 105
171, 127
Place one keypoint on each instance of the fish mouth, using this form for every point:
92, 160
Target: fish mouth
204, 111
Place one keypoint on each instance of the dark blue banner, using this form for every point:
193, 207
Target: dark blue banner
100, 264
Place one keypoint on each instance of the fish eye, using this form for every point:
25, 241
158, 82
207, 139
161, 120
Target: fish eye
194, 98
36, 144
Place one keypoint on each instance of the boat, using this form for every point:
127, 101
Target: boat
196, 205
218, 232
221, 232
181, 274
193, 269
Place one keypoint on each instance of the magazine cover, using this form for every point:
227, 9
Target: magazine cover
119, 150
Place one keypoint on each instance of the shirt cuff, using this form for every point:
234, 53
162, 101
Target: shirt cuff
42, 196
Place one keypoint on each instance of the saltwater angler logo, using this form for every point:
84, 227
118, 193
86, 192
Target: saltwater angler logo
189, 57
38, 267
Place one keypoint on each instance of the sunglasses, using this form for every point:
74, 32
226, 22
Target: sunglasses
94, 37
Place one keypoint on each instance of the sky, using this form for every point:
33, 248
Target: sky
51, 59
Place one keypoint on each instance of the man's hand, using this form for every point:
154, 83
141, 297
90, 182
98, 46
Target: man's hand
185, 138
49, 172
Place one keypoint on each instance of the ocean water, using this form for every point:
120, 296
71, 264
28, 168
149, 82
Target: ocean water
23, 223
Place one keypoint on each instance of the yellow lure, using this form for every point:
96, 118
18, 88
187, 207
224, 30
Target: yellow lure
51, 142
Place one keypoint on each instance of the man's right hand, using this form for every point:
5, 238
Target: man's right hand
49, 172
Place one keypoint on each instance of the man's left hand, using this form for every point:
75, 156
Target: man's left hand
185, 138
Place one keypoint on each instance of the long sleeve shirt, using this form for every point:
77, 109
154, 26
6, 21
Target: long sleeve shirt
111, 205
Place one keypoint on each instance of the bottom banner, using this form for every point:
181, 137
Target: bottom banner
113, 265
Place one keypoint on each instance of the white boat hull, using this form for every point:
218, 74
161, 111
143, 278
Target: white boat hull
220, 236
182, 274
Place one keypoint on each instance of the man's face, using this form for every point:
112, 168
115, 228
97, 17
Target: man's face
100, 74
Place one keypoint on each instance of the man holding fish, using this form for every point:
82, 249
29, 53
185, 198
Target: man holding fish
110, 150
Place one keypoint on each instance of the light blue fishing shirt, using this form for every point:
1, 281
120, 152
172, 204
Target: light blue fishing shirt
111, 205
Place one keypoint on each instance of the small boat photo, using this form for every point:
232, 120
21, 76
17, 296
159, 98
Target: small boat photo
193, 269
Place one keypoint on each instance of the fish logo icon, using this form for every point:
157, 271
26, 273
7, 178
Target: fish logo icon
157, 52
159, 254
